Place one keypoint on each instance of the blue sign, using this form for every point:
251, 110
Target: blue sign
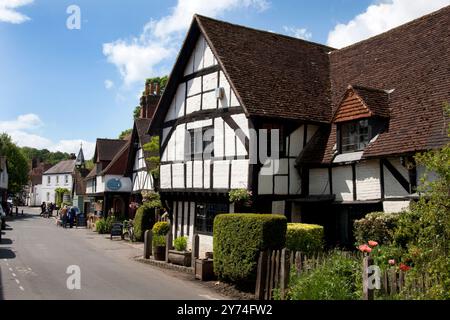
114, 184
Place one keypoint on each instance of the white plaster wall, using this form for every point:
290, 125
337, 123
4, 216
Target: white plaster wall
395, 206
165, 176
207, 174
342, 183
198, 174
218, 137
296, 142
178, 175
281, 185
221, 171
392, 188
368, 180
318, 181
189, 179
239, 174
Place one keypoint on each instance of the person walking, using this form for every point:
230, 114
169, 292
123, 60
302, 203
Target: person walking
43, 207
63, 216
71, 215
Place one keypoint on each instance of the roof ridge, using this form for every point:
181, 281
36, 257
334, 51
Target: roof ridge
402, 26
370, 89
196, 15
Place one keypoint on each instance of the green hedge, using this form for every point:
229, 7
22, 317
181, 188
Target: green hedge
143, 221
161, 228
307, 238
238, 239
376, 226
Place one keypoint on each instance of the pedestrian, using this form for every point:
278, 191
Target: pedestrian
63, 216
43, 207
71, 216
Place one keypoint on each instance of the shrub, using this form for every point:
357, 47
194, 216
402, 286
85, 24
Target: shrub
108, 223
376, 226
180, 243
143, 221
307, 238
238, 239
159, 241
161, 228
338, 278
100, 226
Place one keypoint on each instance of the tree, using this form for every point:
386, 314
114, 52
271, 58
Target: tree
124, 133
45, 155
137, 112
17, 164
153, 148
424, 231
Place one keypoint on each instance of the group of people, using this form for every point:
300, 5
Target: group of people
47, 209
68, 215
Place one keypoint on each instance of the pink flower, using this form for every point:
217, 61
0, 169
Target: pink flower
365, 248
391, 262
373, 243
404, 267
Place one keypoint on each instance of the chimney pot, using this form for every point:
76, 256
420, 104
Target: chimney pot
147, 89
158, 89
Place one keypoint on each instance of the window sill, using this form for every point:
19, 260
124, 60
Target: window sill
348, 157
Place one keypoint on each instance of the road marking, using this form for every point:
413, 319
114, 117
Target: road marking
21, 288
29, 269
17, 280
10, 269
14, 275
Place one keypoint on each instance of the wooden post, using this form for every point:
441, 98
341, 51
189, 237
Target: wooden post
368, 293
261, 276
168, 243
394, 283
148, 237
267, 283
195, 251
284, 272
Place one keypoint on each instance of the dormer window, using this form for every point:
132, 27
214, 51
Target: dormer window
355, 135
362, 114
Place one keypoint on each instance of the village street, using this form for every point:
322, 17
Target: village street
35, 254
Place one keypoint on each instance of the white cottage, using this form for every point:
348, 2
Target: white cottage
4, 179
343, 127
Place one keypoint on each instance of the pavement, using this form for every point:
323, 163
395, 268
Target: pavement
39, 260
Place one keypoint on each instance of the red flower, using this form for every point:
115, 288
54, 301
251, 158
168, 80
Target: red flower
373, 243
365, 248
404, 267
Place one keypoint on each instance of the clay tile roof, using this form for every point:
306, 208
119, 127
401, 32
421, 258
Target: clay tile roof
65, 166
118, 164
106, 149
274, 75
376, 100
414, 61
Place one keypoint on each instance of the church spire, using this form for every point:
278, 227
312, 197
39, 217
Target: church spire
79, 162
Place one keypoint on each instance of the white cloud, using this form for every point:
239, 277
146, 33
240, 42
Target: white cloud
109, 84
8, 11
300, 33
22, 132
141, 57
380, 17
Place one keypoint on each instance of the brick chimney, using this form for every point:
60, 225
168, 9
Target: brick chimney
150, 100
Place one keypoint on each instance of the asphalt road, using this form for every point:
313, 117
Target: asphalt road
35, 256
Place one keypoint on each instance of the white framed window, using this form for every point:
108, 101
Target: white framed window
57, 179
66, 179
49, 180
48, 196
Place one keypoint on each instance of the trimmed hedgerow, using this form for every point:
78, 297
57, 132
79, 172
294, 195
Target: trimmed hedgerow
238, 239
307, 238
143, 221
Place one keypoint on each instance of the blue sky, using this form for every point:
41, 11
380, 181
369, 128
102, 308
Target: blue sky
59, 87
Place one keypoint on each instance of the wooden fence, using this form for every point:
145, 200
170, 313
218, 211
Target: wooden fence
274, 268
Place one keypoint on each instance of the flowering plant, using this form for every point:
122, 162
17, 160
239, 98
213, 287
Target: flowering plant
240, 195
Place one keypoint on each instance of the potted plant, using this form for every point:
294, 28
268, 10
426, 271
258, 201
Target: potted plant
159, 248
180, 255
242, 199
160, 230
